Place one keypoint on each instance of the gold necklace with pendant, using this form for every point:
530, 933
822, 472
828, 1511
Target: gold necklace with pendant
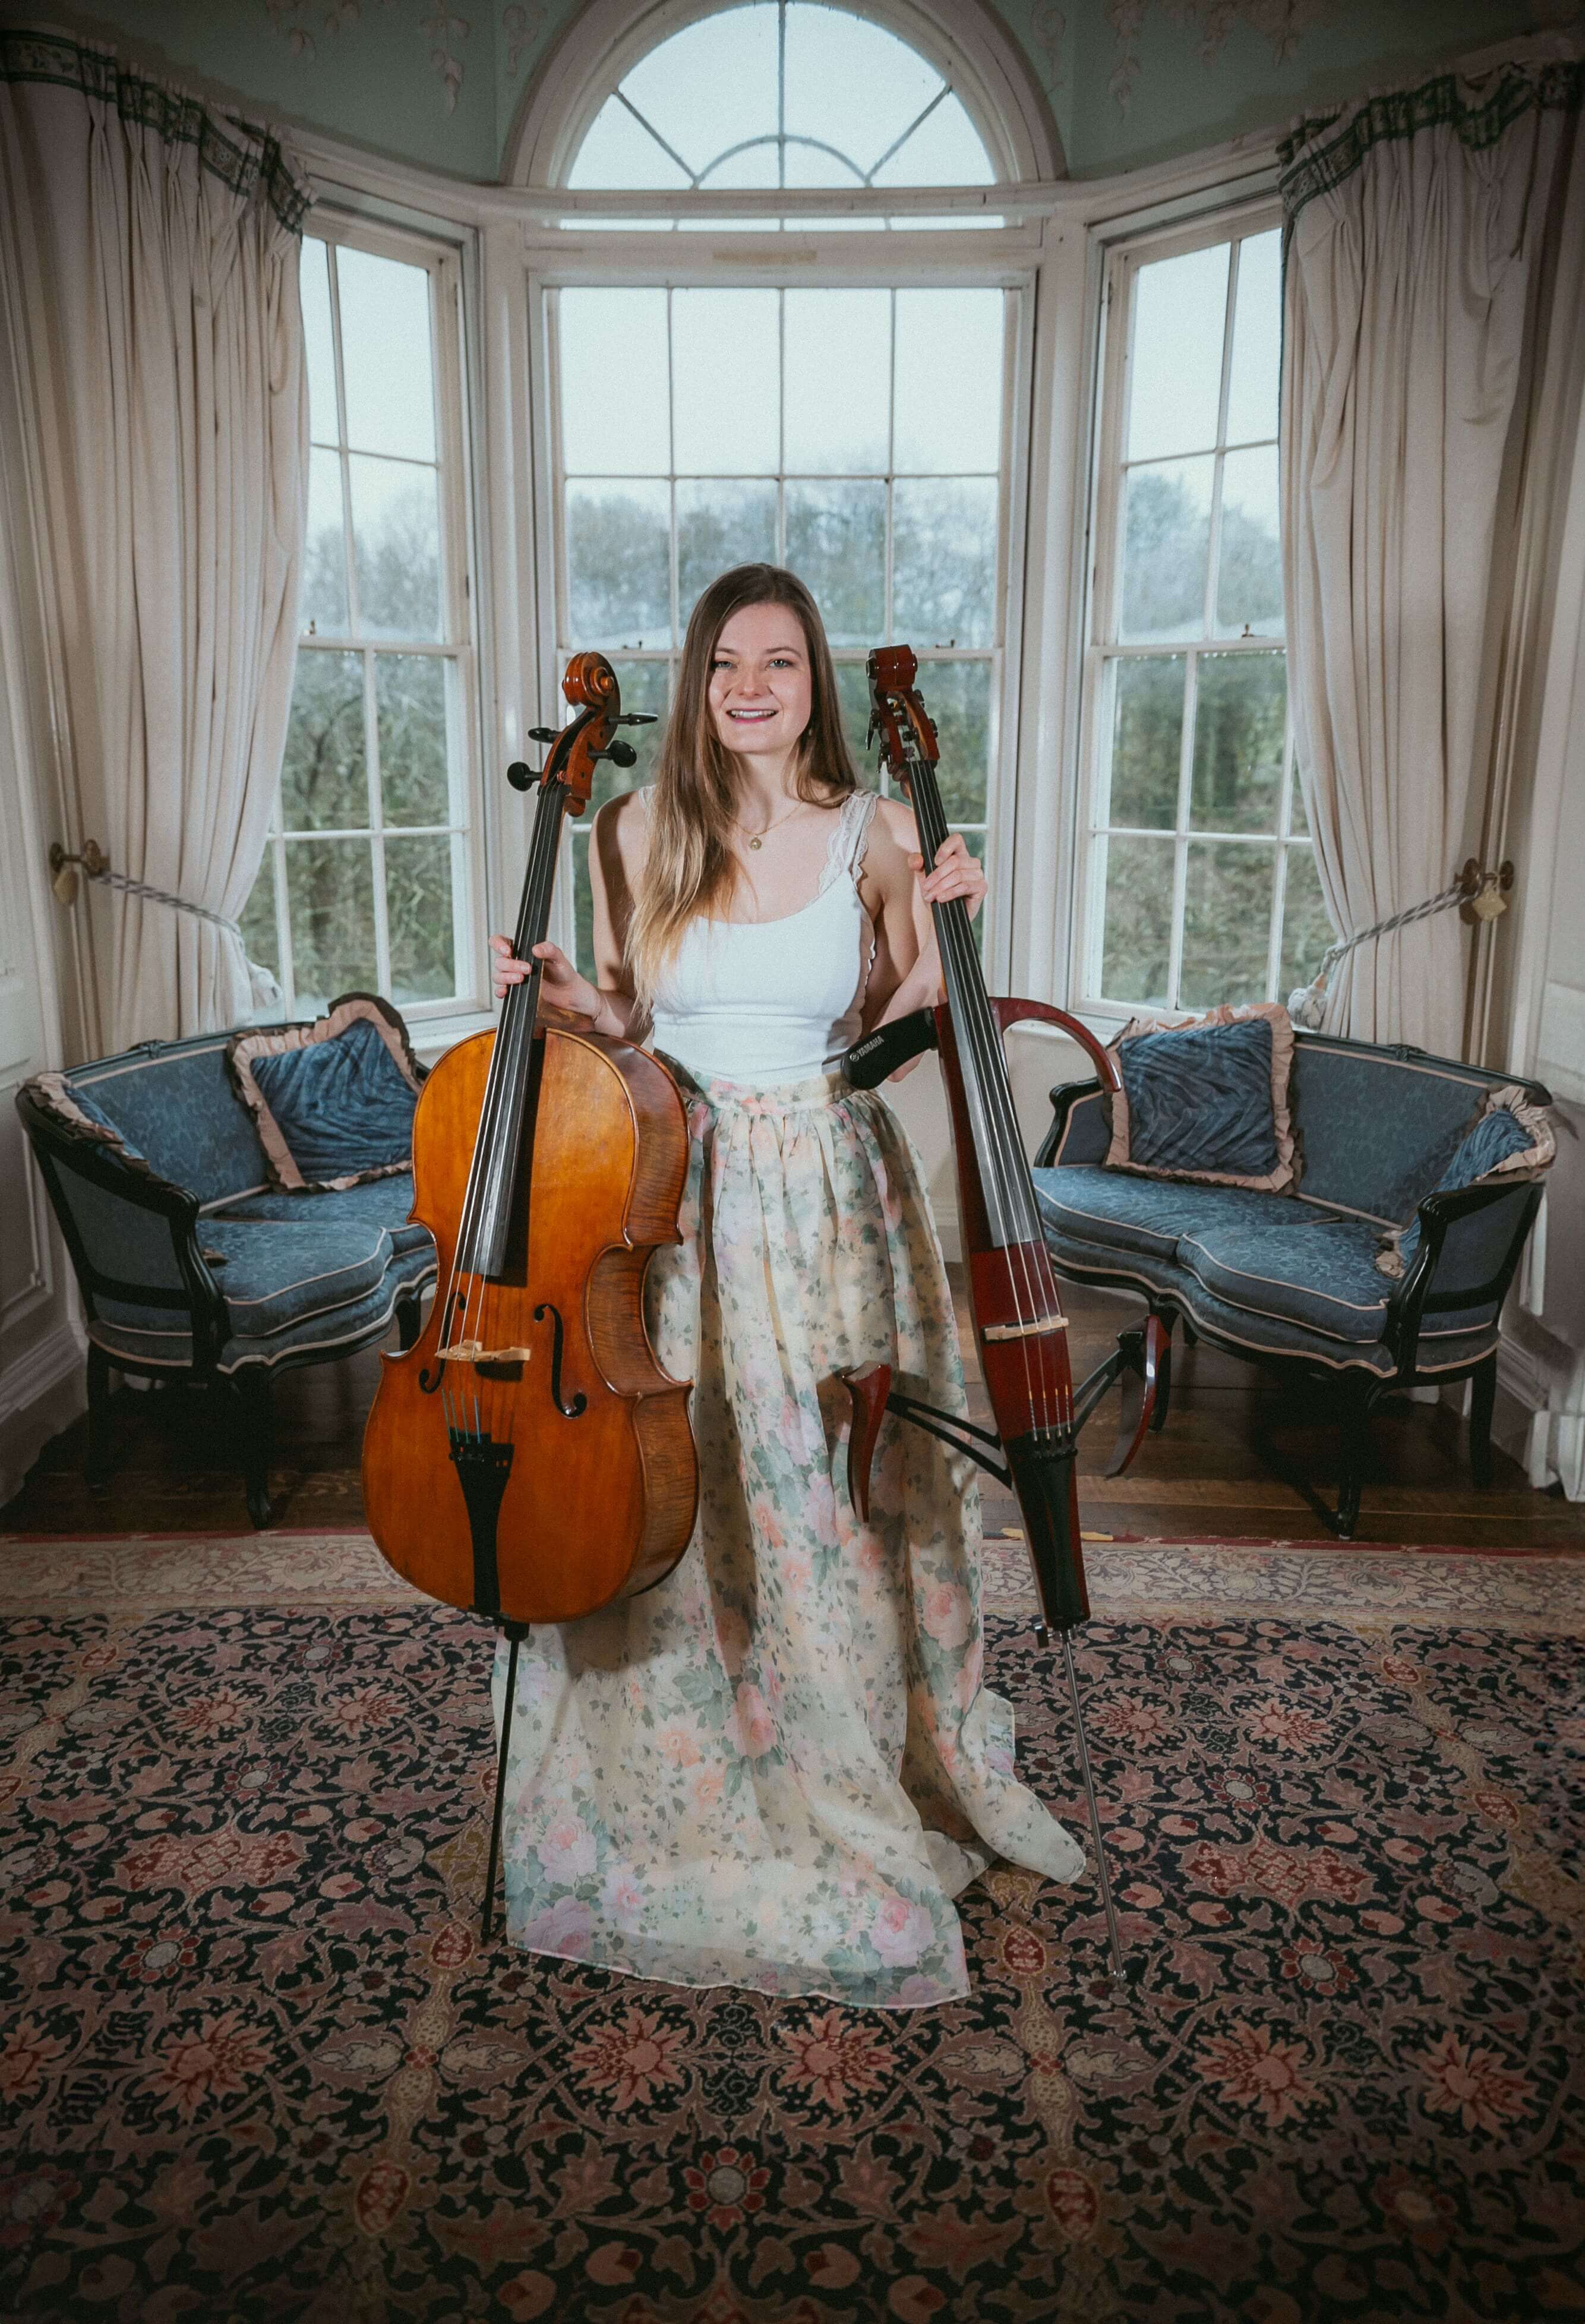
759, 837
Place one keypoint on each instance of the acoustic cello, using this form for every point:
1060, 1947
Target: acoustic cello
526, 1458
1019, 1329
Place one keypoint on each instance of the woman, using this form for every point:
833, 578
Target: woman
779, 1767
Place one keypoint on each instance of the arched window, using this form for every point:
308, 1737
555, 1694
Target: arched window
780, 93
842, 408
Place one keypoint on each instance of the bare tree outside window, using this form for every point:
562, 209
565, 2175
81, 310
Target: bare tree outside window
365, 878
1200, 883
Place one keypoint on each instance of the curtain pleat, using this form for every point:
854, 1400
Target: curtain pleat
1425, 229
151, 248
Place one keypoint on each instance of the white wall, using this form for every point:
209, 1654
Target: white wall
41, 1376
1540, 1412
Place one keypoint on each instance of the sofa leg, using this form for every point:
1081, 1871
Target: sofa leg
1482, 1398
250, 1391
101, 1458
1357, 1399
1163, 1376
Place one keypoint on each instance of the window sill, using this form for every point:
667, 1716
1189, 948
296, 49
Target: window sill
431, 1037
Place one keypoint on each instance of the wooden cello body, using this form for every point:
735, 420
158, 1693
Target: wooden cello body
528, 1459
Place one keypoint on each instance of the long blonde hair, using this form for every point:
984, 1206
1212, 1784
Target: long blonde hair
689, 871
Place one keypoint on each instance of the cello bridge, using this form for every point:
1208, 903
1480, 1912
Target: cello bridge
1026, 1331
474, 1351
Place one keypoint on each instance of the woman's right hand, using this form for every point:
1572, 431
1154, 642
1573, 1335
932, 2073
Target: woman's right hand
561, 988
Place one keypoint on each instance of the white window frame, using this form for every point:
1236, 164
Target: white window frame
1100, 650
458, 643
886, 259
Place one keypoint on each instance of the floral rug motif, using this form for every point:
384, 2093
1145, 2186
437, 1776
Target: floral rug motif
253, 2063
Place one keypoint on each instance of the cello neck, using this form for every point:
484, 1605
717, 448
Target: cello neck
908, 752
504, 1120
1004, 1172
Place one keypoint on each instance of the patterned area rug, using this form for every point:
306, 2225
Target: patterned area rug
253, 2065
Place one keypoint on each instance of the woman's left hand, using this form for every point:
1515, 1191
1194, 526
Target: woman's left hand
956, 873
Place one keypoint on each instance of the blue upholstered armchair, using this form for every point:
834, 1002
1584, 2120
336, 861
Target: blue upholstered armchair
1383, 1267
191, 1264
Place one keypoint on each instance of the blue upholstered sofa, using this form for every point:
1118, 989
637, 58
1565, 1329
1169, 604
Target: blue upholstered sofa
1296, 1280
190, 1265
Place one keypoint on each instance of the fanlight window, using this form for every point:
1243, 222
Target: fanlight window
782, 94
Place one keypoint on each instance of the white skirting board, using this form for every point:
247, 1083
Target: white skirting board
40, 1393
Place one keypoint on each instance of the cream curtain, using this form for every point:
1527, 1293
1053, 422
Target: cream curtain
148, 248
1430, 235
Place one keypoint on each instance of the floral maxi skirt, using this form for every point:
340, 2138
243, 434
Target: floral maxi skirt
777, 1768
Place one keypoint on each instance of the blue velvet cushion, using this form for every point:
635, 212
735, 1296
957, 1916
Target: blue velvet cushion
1496, 1137
378, 1202
1208, 1099
334, 1100
1128, 1213
319, 1281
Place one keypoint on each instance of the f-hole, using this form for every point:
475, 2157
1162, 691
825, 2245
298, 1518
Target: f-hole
580, 1402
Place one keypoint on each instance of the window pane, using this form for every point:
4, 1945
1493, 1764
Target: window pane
957, 695
836, 542
852, 84
754, 166
719, 526
1226, 924
618, 565
613, 375
324, 604
1174, 375
324, 781
949, 363
838, 376
852, 687
1241, 716
1147, 742
725, 351
1166, 533
712, 85
396, 535
410, 708
943, 561
420, 917
1137, 929
644, 687
260, 938
947, 150
386, 355
1252, 377
621, 153
583, 905
1249, 588
1307, 931
331, 896
319, 343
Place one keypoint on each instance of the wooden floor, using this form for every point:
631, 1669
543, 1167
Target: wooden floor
1239, 1457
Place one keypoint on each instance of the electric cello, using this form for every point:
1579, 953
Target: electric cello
526, 1458
1021, 1331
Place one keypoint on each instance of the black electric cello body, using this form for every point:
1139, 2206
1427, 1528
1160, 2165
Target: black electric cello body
1020, 1330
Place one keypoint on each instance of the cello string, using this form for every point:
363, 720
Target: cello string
1036, 1300
507, 1078
984, 1063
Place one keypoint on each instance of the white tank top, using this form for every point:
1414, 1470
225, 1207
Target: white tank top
764, 1001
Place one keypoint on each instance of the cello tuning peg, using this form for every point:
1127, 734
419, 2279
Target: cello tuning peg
637, 718
521, 778
541, 733
620, 754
